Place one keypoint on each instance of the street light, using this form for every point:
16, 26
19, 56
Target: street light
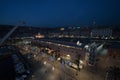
63, 67
80, 66
44, 62
53, 68
68, 57
78, 43
59, 59
81, 62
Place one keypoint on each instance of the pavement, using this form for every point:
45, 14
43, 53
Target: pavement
43, 71
62, 72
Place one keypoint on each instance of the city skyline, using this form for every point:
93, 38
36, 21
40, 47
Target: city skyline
60, 13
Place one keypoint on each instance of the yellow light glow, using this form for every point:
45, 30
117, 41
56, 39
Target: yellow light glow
45, 62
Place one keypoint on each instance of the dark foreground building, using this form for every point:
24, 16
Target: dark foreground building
6, 65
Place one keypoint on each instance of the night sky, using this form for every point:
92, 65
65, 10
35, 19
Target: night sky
57, 13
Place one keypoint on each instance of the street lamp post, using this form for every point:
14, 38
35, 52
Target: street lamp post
63, 67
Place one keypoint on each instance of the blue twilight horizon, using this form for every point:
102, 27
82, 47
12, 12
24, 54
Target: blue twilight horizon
55, 13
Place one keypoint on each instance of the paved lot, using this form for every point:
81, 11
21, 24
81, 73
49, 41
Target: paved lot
44, 71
